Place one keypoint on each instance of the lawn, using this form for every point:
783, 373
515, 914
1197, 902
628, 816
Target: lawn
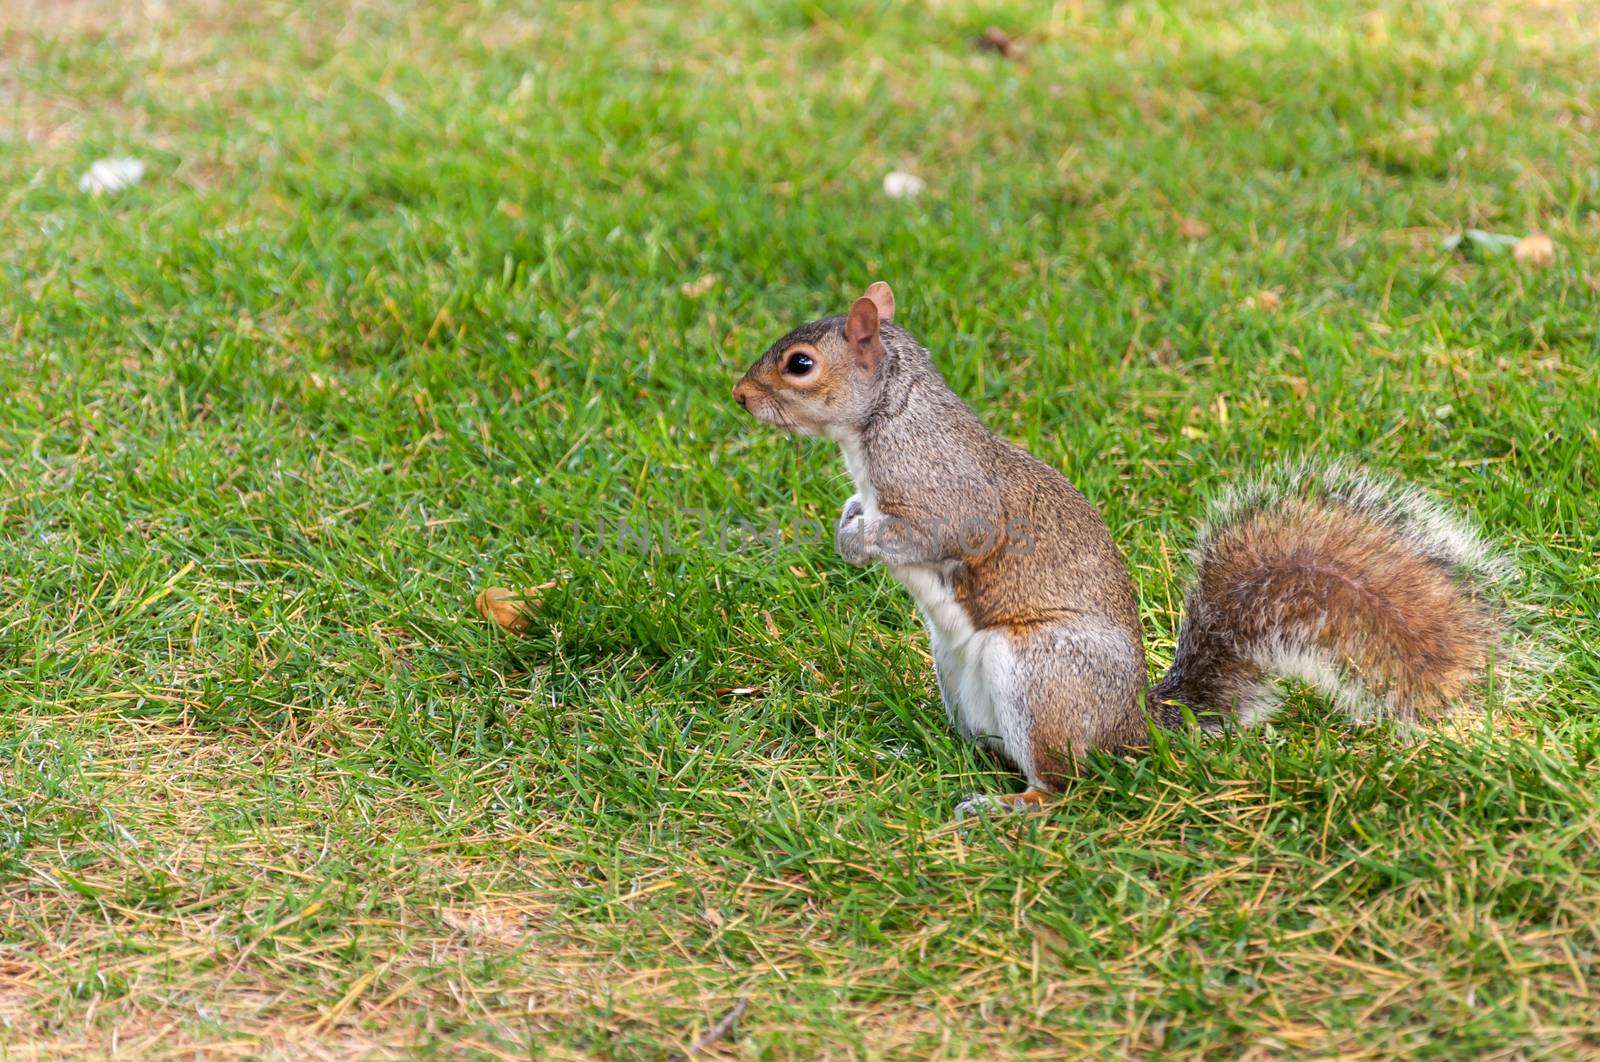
419, 298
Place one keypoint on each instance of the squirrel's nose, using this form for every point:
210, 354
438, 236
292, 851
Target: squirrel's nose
740, 395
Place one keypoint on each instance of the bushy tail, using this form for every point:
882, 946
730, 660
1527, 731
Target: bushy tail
1368, 591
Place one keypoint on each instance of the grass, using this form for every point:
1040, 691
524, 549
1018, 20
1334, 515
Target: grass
413, 299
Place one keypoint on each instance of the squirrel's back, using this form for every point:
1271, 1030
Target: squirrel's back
1367, 591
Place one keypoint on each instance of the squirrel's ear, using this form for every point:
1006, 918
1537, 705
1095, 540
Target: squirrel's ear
861, 332
882, 298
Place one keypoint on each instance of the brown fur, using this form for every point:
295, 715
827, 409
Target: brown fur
1360, 585
1370, 593
1398, 621
1037, 562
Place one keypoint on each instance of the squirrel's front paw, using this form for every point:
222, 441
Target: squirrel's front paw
851, 539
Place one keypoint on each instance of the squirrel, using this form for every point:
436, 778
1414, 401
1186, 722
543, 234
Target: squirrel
1368, 592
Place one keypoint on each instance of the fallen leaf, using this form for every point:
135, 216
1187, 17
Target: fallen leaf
1193, 229
511, 609
1299, 385
1535, 249
997, 40
1268, 300
1478, 241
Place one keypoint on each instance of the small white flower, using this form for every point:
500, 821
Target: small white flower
111, 175
900, 185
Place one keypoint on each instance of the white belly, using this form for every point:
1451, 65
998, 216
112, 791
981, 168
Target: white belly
855, 462
974, 667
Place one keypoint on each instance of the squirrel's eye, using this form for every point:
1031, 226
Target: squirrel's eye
798, 364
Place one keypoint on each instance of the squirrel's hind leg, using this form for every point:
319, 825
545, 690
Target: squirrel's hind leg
983, 803
1042, 697
1079, 687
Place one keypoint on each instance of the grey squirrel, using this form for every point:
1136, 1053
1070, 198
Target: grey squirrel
1369, 592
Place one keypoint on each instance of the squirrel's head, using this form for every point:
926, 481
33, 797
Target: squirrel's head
821, 378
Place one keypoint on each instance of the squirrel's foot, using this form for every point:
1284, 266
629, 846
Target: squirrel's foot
988, 803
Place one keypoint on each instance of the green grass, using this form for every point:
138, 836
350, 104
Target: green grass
400, 301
